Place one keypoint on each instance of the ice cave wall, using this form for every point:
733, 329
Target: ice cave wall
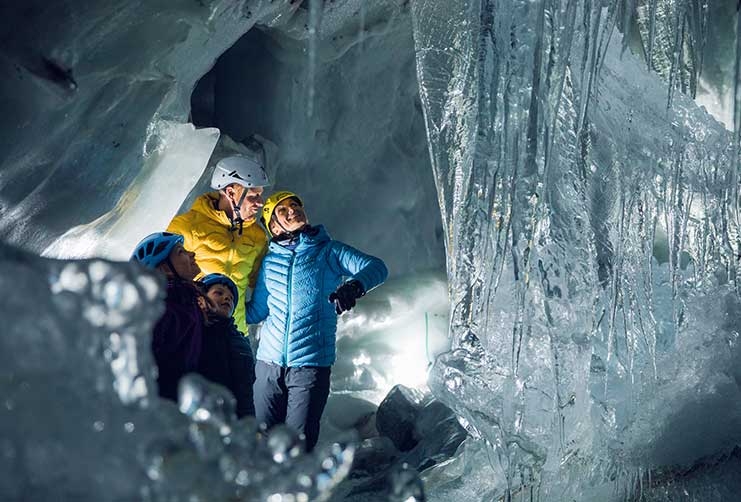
83, 82
560, 172
591, 219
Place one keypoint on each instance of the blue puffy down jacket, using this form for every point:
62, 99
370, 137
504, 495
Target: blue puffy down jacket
291, 296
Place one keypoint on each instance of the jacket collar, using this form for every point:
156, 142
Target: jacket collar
206, 205
312, 237
220, 323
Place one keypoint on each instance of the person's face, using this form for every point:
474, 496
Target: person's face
184, 262
252, 202
290, 215
222, 299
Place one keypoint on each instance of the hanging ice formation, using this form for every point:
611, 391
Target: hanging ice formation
591, 217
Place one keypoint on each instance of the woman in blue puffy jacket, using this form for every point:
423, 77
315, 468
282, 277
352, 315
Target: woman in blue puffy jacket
306, 280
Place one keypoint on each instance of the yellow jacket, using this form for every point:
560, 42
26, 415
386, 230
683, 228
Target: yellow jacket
208, 233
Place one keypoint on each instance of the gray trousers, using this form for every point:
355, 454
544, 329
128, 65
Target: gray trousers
294, 396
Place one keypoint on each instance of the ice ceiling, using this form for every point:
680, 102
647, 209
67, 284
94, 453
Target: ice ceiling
589, 208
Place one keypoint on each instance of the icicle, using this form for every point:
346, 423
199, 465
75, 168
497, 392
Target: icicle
592, 20
698, 20
651, 33
628, 15
615, 289
648, 256
557, 71
676, 60
536, 95
315, 18
605, 36
734, 202
361, 28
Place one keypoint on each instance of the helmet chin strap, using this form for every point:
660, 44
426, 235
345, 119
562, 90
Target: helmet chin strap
285, 230
237, 219
289, 233
172, 268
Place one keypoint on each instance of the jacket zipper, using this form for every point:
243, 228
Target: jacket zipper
288, 309
230, 262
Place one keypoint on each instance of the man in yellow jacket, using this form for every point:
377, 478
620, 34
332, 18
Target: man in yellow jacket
220, 227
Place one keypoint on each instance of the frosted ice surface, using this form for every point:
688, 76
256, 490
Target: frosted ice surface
176, 155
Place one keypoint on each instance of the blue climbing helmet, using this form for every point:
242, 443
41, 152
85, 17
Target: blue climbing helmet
155, 248
212, 279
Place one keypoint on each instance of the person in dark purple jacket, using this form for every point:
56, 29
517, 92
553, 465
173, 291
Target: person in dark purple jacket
178, 335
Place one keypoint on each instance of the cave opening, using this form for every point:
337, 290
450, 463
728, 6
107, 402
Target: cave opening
359, 157
344, 129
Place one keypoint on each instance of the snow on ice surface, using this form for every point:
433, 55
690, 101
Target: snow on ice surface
591, 249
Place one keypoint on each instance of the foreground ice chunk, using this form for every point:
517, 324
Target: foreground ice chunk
79, 415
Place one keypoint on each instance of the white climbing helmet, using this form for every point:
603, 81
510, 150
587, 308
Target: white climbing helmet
238, 169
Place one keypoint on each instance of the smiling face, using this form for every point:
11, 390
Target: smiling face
251, 204
288, 216
222, 299
184, 263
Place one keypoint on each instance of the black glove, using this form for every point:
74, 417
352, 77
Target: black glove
344, 296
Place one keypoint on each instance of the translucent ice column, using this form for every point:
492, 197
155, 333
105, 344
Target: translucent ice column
177, 156
588, 228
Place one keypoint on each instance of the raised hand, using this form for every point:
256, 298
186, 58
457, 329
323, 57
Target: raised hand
345, 295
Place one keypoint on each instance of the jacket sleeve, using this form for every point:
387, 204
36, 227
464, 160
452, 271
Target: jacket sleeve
350, 262
182, 224
242, 368
176, 344
256, 310
177, 326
